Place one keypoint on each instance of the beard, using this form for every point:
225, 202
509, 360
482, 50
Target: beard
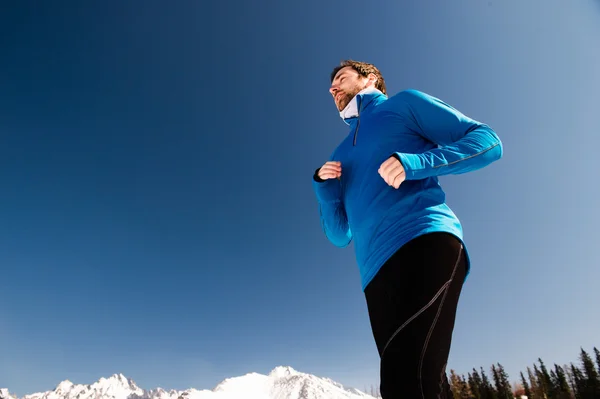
348, 95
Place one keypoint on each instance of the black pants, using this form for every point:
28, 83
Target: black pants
412, 305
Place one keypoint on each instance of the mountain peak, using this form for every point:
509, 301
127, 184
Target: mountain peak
118, 380
115, 377
283, 371
64, 387
5, 394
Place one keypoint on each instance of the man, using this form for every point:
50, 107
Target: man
380, 188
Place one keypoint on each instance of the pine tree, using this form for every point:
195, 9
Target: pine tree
479, 385
459, 386
570, 379
546, 380
487, 391
502, 384
474, 385
526, 386
561, 386
553, 385
455, 385
465, 388
536, 391
597, 352
542, 386
579, 380
500, 389
553, 377
496, 381
592, 380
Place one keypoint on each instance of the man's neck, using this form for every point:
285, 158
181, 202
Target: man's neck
351, 110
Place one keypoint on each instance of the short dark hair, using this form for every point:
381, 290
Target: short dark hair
363, 69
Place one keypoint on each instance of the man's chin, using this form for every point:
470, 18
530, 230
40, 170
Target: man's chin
341, 105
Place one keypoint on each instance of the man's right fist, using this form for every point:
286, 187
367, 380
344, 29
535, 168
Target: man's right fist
330, 170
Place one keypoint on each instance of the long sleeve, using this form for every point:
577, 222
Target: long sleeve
331, 211
463, 144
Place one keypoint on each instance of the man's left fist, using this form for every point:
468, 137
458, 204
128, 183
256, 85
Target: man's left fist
392, 172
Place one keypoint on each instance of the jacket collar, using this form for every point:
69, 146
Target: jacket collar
360, 102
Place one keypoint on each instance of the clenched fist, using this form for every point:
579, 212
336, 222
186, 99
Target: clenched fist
330, 170
392, 172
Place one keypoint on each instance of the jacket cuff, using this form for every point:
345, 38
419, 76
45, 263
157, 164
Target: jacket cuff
412, 164
316, 177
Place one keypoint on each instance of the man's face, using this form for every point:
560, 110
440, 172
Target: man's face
346, 84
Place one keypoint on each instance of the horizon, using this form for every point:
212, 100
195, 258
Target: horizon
283, 370
123, 381
157, 212
514, 381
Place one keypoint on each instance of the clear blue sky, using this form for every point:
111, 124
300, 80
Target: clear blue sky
156, 211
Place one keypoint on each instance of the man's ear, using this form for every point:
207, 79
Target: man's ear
372, 79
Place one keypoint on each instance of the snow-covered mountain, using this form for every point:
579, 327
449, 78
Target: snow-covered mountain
4, 394
280, 383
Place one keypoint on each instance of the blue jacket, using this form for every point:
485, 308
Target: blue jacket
431, 139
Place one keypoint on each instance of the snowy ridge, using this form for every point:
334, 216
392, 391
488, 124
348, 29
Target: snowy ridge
281, 383
4, 394
117, 386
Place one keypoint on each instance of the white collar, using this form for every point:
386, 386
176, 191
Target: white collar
351, 109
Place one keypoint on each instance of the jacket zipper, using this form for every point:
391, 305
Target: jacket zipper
357, 123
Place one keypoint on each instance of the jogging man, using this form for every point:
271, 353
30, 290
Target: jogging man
380, 188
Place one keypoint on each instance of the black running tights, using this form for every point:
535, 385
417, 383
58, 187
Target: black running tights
412, 305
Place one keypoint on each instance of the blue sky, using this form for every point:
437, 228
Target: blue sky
157, 217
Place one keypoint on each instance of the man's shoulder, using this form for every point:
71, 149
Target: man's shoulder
408, 95
407, 100
401, 101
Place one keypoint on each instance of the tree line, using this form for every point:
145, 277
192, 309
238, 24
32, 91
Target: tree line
581, 381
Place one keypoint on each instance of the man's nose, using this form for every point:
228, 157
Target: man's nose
333, 89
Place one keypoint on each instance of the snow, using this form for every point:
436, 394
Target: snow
5, 394
282, 371
283, 382
116, 386
239, 385
64, 386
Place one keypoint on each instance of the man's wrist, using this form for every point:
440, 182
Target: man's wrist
316, 176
